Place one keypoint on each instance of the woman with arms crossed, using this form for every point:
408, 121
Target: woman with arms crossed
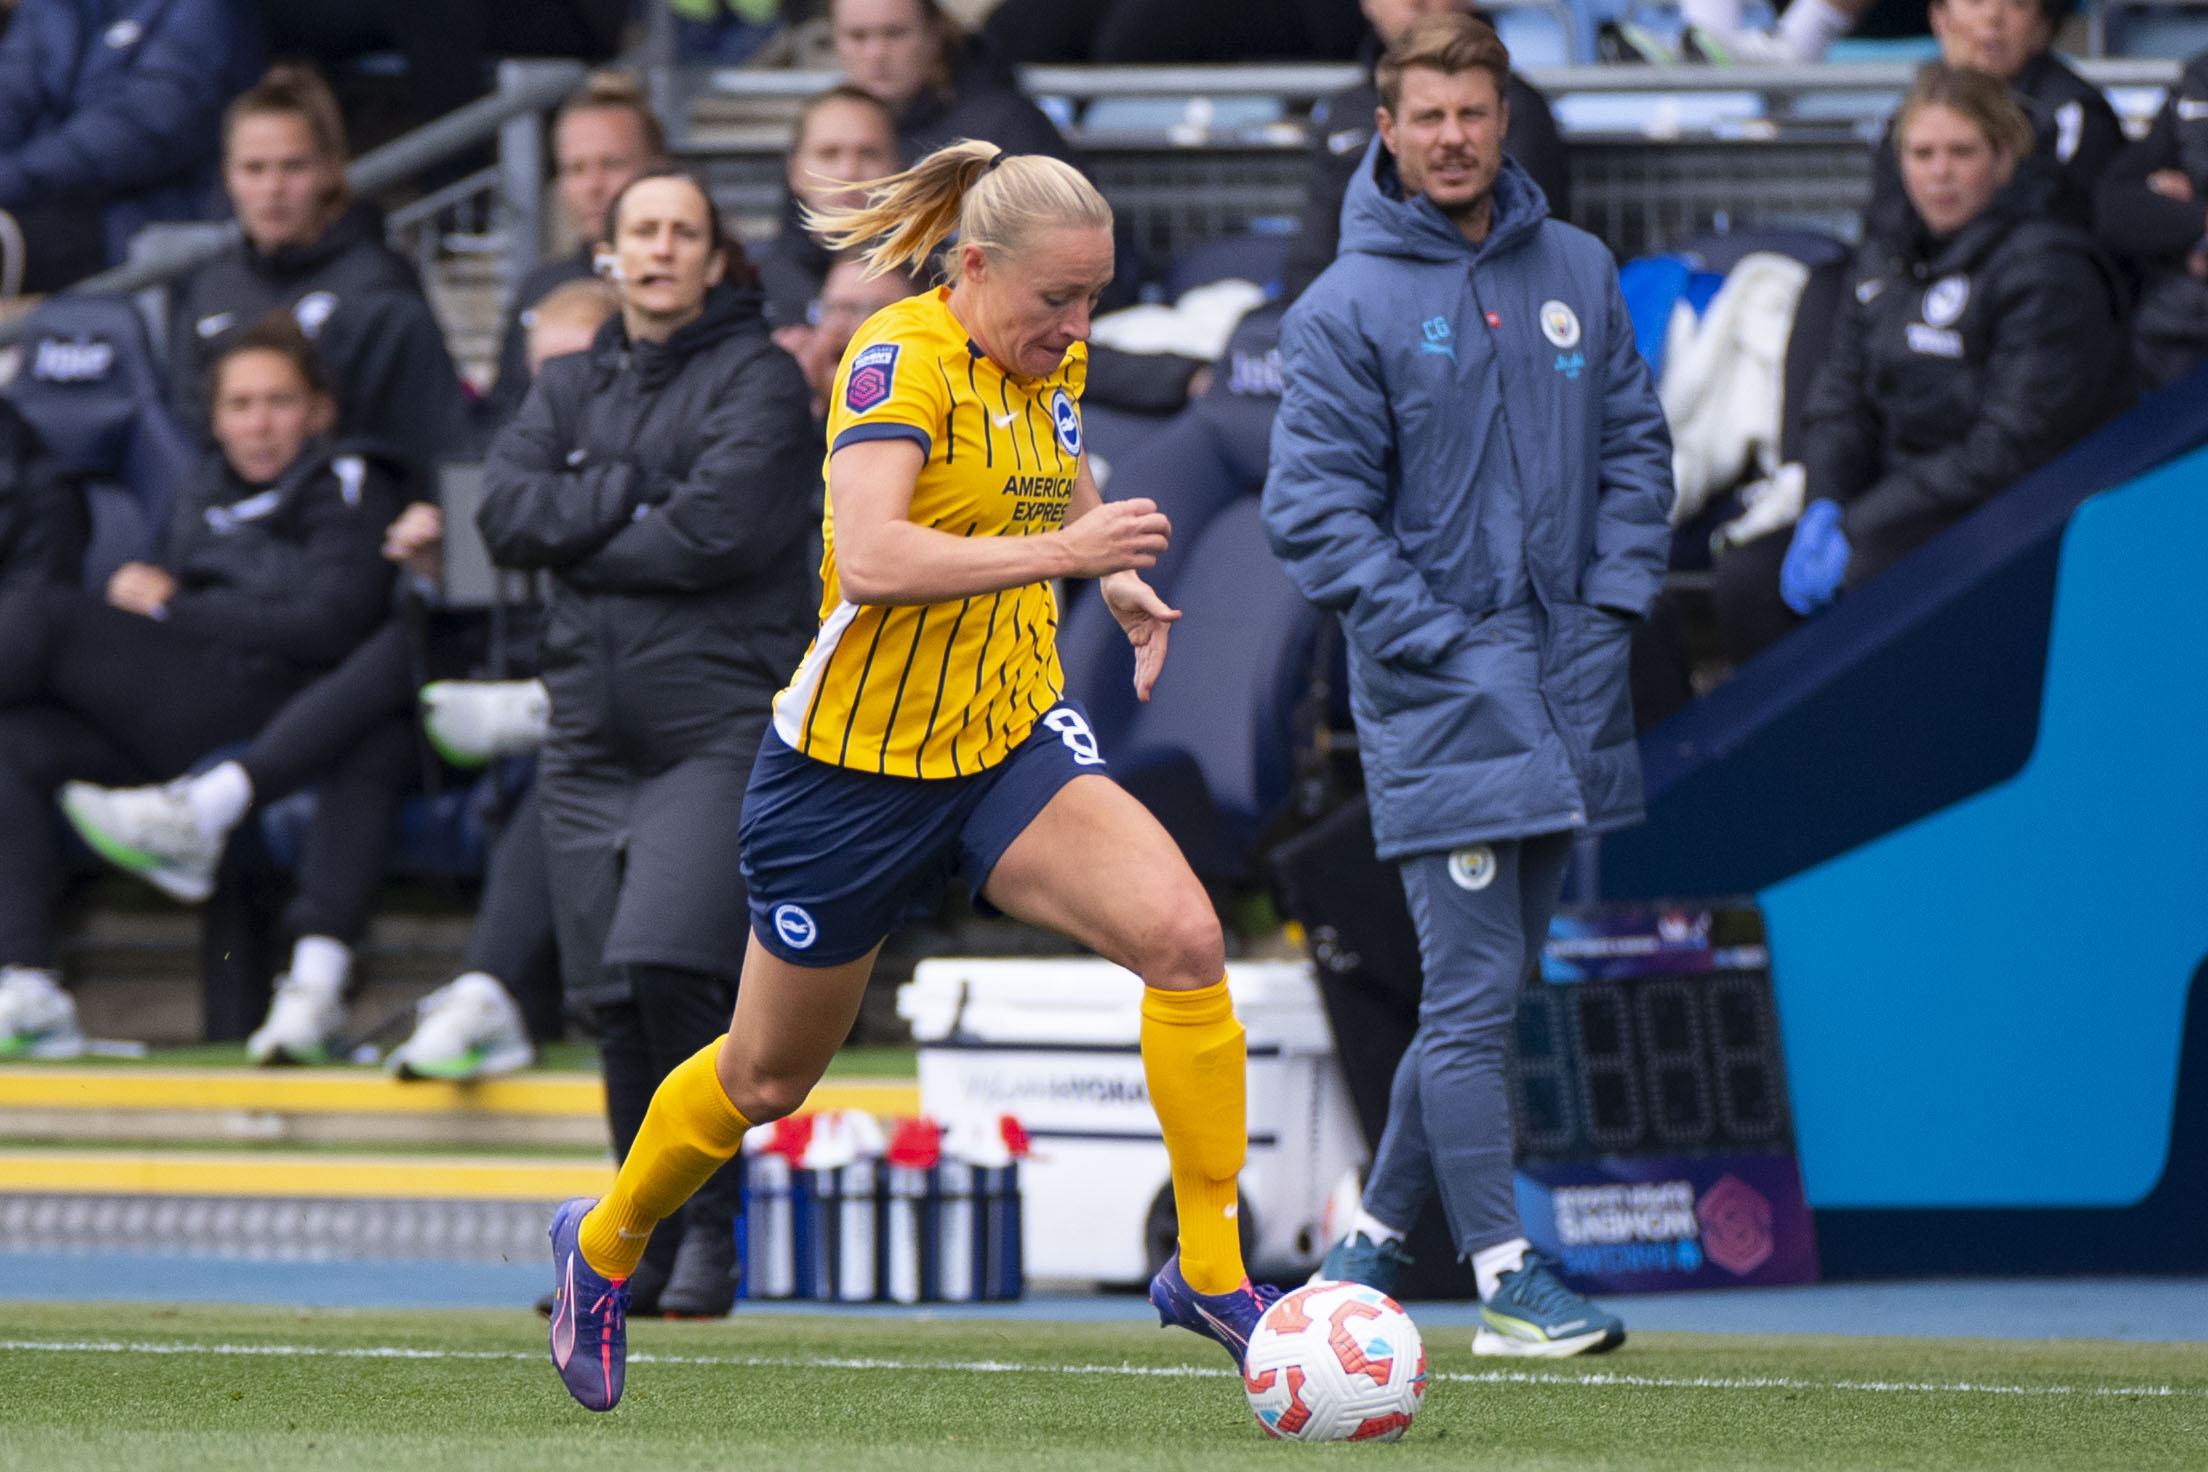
926, 728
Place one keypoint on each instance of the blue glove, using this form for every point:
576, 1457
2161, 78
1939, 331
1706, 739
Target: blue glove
1815, 560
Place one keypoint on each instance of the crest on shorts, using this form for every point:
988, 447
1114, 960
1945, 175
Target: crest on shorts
873, 375
1945, 299
1066, 420
1559, 323
796, 927
1472, 868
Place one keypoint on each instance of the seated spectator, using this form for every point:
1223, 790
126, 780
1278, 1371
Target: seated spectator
844, 136
1716, 32
312, 250
2073, 126
353, 732
271, 575
1140, 32
2152, 209
939, 82
1341, 130
602, 137
1977, 344
42, 515
110, 118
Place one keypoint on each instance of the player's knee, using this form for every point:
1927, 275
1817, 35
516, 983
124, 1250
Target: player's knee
760, 1097
1185, 950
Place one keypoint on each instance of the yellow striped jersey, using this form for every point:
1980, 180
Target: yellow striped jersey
941, 689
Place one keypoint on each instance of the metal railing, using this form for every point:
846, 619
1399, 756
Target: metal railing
507, 197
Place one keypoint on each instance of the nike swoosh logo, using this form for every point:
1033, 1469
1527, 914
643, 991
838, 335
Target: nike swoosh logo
1003, 421
1225, 1329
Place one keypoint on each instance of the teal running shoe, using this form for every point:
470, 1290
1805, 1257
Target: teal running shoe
1534, 1314
1359, 1259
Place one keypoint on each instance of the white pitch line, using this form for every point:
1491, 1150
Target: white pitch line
1599, 1379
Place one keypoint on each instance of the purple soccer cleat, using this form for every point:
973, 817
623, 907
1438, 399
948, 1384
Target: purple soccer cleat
1226, 1317
590, 1313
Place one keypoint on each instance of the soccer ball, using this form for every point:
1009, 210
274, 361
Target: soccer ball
1335, 1362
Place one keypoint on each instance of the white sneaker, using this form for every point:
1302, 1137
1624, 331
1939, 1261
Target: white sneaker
474, 722
302, 1023
148, 831
1736, 48
37, 1018
468, 1028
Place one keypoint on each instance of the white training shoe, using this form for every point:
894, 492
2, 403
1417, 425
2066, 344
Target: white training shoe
37, 1018
475, 722
302, 1023
467, 1028
1737, 48
148, 831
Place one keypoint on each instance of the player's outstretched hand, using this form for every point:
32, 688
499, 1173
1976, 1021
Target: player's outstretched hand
1117, 536
1148, 622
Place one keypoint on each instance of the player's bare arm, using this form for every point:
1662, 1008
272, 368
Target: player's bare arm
883, 557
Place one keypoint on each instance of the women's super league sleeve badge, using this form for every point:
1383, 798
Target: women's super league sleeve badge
873, 375
1065, 418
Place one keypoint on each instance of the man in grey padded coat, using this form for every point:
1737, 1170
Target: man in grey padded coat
1471, 469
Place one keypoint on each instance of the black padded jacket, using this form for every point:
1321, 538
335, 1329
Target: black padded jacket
668, 488
292, 571
362, 306
1958, 366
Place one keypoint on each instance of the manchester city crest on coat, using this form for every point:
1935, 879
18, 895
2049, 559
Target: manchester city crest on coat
1559, 324
1065, 419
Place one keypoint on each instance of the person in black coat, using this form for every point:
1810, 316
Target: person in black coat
2073, 127
2152, 210
271, 573
602, 137
845, 135
665, 480
1342, 125
942, 84
1972, 348
313, 251
109, 120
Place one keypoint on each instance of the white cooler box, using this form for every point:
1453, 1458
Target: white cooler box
1056, 1044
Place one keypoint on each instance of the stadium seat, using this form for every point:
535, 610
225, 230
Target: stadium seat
1211, 753
1259, 256
91, 388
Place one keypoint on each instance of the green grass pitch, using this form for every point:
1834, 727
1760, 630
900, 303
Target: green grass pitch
126, 1386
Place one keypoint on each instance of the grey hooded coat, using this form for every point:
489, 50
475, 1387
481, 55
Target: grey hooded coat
1471, 469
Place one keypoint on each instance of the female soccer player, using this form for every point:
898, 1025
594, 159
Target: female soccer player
926, 730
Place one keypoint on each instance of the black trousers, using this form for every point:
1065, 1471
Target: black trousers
354, 731
670, 1014
91, 693
1744, 595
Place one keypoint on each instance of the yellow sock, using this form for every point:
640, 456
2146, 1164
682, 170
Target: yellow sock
689, 1132
1193, 1058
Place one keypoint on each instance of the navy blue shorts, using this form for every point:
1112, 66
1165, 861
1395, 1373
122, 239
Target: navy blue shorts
834, 858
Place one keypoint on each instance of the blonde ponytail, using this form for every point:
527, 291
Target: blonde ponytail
973, 190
